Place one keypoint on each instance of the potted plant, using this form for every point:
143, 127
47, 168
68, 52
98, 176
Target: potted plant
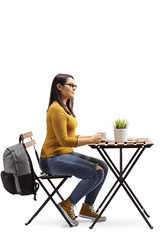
120, 130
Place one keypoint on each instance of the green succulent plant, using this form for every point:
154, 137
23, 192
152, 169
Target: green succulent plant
118, 124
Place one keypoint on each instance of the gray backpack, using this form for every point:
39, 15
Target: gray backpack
18, 176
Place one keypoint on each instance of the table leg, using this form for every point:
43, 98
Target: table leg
104, 200
136, 205
120, 173
136, 199
121, 165
122, 182
99, 215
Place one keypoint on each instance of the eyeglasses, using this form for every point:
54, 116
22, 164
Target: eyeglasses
71, 85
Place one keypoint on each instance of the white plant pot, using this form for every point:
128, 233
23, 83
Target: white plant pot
120, 135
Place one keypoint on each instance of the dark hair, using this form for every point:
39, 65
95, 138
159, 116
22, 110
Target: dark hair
55, 94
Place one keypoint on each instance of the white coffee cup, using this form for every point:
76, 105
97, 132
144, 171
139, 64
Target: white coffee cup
103, 135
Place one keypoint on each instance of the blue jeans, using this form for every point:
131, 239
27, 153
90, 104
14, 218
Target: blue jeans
80, 166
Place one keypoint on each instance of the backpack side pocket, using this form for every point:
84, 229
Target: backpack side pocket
8, 182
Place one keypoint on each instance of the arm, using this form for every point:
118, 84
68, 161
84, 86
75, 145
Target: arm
84, 136
84, 140
59, 124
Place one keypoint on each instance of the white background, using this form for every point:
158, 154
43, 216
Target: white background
112, 49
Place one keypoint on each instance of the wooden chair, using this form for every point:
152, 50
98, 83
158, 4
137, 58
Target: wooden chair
45, 177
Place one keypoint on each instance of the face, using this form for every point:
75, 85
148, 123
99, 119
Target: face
67, 91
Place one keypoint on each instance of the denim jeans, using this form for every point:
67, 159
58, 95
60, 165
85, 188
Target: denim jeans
82, 167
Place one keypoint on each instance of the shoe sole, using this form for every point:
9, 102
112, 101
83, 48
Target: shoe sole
68, 217
101, 219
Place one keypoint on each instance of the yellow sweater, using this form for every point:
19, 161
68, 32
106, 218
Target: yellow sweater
60, 137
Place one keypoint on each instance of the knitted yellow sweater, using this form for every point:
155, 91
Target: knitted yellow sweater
60, 137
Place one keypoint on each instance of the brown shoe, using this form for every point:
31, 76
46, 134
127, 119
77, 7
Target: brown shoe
68, 209
88, 212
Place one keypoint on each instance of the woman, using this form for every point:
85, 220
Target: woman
58, 157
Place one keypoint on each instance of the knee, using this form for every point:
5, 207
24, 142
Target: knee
99, 173
98, 167
105, 168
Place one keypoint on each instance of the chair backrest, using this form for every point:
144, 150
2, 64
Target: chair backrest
28, 135
30, 143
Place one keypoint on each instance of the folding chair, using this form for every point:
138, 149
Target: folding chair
46, 177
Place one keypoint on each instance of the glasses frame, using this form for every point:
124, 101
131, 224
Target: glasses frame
71, 85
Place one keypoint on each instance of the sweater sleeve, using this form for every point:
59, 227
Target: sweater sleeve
59, 124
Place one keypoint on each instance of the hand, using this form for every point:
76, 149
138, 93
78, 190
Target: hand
96, 138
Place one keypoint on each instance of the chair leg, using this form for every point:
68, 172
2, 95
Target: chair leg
55, 188
53, 201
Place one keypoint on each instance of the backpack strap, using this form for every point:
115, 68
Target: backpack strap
21, 140
36, 185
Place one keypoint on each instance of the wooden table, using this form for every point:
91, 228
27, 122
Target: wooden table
140, 144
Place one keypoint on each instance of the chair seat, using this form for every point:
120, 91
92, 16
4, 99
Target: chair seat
48, 176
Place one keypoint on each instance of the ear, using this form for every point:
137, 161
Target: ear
59, 86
